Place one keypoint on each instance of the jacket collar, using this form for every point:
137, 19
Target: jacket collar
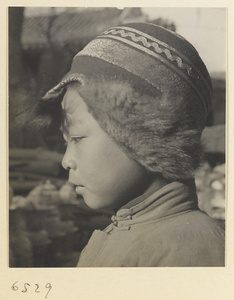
172, 199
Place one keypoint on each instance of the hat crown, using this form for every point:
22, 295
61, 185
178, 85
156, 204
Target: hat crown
140, 48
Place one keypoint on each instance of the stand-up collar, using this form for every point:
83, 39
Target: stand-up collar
172, 199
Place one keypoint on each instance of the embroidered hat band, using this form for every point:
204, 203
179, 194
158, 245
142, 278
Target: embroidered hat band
139, 49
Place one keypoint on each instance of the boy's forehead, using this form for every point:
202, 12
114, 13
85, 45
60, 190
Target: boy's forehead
74, 108
72, 103
69, 102
70, 121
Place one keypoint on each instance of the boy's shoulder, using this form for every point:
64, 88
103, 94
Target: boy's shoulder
189, 239
185, 240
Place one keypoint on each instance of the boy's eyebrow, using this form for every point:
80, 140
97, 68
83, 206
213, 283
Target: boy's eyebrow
65, 124
64, 128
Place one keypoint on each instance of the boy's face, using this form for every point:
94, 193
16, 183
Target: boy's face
100, 170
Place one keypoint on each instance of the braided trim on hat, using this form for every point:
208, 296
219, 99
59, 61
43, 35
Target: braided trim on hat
156, 47
164, 52
58, 89
143, 37
165, 45
106, 48
180, 55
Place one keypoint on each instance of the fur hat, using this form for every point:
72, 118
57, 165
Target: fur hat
149, 90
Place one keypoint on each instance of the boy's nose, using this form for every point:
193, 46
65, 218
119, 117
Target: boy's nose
68, 163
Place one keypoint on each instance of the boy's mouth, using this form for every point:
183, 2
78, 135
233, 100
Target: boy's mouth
76, 187
73, 185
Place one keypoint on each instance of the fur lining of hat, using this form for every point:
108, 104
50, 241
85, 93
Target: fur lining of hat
40, 115
161, 133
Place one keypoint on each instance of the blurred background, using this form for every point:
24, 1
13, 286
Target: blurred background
48, 224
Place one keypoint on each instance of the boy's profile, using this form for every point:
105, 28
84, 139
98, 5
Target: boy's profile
132, 110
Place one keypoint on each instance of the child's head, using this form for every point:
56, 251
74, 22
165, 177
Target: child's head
101, 172
145, 93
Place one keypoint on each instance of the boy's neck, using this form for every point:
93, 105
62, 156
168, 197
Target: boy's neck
156, 184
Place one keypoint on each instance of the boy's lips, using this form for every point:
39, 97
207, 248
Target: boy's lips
75, 186
78, 188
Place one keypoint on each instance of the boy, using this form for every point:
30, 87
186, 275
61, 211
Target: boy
134, 105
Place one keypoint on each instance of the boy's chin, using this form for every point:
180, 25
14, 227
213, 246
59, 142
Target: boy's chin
96, 204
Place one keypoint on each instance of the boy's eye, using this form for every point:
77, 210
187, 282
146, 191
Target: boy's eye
73, 139
76, 139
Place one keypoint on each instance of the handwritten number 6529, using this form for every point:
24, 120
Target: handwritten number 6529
15, 288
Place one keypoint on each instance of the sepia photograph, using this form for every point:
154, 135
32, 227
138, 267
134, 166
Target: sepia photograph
117, 150
117, 125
